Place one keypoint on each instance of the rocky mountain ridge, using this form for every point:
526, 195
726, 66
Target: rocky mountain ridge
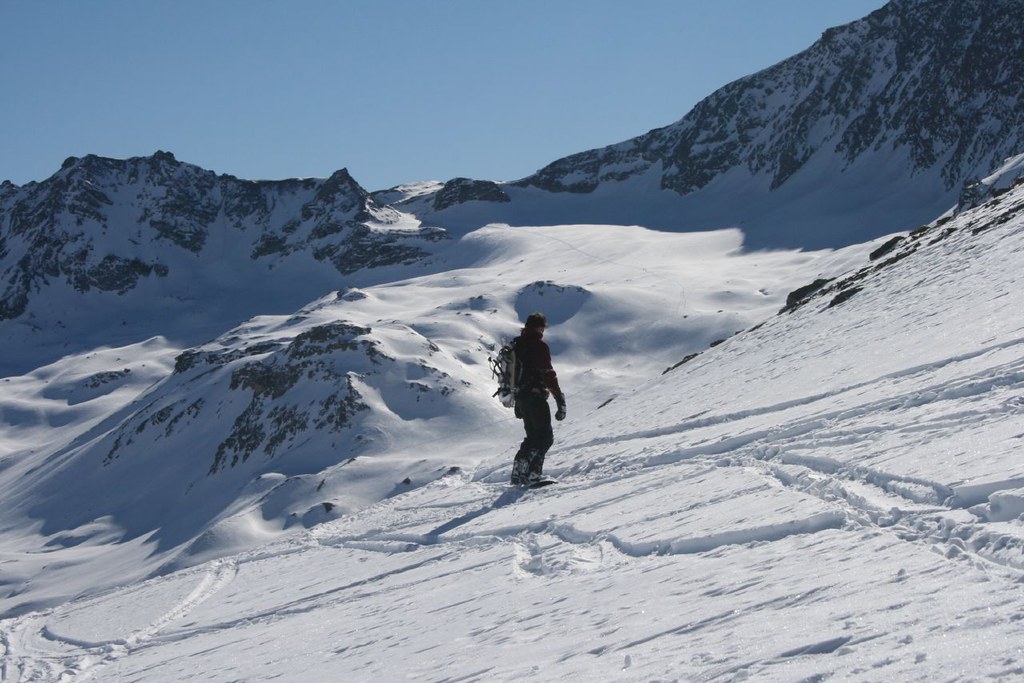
104, 230
921, 76
918, 99
878, 127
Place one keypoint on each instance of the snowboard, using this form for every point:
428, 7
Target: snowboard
541, 483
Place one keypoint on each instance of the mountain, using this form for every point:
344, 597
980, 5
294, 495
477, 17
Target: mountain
834, 492
247, 429
878, 127
107, 245
874, 129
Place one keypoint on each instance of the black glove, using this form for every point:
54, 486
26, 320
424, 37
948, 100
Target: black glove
560, 413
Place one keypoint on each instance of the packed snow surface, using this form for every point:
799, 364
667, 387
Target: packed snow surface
835, 492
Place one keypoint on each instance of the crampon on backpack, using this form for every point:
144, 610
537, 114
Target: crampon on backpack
507, 369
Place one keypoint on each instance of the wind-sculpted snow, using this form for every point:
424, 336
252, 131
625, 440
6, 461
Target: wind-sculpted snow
166, 457
295, 396
834, 492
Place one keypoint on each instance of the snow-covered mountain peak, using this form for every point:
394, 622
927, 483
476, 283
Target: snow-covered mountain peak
123, 238
896, 111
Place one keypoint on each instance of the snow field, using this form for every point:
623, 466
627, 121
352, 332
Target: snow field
527, 592
835, 493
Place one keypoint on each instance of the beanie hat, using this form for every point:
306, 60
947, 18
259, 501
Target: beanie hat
536, 320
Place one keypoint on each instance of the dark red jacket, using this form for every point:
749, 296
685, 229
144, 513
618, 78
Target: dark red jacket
535, 356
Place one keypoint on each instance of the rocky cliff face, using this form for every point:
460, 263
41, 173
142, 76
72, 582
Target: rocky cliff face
924, 91
939, 81
461, 190
133, 245
105, 224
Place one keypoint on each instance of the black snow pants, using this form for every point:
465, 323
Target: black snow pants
532, 407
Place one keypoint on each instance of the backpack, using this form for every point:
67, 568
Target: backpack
506, 368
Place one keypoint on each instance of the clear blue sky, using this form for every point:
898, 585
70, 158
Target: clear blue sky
394, 90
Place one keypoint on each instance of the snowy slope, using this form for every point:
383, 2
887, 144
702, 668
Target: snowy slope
288, 421
834, 493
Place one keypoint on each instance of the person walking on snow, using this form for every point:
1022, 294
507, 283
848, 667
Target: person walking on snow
538, 380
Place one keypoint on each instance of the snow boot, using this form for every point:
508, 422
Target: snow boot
520, 471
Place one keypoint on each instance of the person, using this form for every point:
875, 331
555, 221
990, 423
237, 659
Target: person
537, 381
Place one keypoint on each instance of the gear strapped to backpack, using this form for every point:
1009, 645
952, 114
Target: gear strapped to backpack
507, 369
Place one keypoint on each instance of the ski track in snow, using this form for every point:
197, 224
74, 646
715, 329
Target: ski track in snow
970, 386
791, 482
855, 497
911, 509
861, 498
30, 644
